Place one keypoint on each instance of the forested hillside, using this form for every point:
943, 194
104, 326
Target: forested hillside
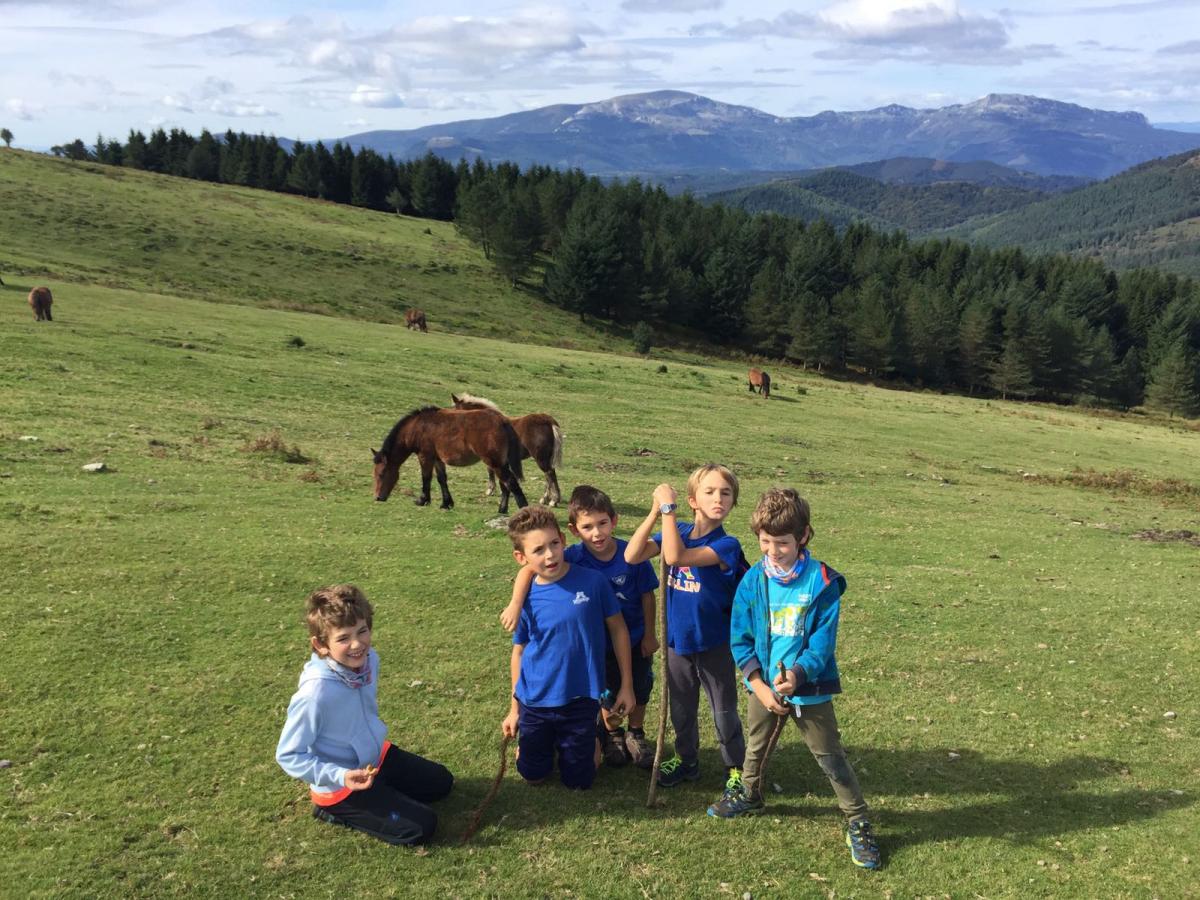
937, 313
842, 196
1149, 215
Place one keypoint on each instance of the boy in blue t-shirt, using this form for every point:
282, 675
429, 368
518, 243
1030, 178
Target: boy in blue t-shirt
557, 665
699, 596
785, 618
592, 517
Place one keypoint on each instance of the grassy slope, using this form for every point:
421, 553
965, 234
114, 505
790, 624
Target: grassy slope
81, 222
152, 637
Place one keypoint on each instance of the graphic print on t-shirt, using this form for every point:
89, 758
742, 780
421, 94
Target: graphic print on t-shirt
683, 579
788, 621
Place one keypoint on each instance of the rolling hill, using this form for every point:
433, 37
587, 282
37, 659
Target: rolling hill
1147, 216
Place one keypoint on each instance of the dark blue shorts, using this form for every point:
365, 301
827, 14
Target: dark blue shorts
642, 671
569, 731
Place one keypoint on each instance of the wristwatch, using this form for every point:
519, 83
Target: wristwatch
665, 508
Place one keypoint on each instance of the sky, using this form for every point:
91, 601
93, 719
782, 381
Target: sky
78, 68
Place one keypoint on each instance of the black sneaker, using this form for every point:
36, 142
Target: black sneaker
675, 771
612, 748
861, 841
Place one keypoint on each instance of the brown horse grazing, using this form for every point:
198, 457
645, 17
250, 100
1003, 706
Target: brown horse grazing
540, 437
760, 381
455, 437
415, 318
39, 302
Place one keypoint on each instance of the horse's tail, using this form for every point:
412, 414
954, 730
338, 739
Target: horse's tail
515, 449
556, 457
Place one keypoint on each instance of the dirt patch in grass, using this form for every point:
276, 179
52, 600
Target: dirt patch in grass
1156, 536
1121, 481
273, 444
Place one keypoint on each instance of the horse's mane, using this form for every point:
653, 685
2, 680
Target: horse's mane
471, 398
391, 435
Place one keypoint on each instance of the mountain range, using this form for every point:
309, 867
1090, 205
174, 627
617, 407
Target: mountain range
680, 132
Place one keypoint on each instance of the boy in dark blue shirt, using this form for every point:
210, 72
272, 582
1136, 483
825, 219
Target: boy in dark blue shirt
699, 596
592, 517
557, 664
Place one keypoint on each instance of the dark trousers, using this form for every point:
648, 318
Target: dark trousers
713, 669
568, 732
393, 808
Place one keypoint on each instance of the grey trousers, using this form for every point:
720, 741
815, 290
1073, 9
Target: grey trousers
714, 670
819, 728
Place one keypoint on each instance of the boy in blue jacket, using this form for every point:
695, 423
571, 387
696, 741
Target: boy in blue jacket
785, 620
335, 741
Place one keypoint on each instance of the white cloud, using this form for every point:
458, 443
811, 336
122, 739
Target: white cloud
24, 109
670, 6
366, 95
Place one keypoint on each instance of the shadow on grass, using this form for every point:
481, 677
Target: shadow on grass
1036, 801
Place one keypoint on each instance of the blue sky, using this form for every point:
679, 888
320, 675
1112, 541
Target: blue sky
307, 70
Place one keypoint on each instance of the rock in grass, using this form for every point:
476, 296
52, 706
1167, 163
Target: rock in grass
5, 763
1168, 715
28, 437
499, 523
95, 467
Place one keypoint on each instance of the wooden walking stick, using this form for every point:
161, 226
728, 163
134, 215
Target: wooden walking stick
664, 700
773, 739
477, 816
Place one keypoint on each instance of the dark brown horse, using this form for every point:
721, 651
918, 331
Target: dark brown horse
760, 381
415, 318
39, 302
441, 437
540, 437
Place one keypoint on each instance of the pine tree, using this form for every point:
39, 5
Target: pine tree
1011, 374
977, 346
479, 209
6, 136
517, 235
1172, 384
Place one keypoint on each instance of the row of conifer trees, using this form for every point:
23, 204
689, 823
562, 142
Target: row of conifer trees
935, 313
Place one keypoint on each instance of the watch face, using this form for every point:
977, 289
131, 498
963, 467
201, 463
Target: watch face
667, 508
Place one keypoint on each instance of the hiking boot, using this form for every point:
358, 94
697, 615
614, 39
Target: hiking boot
734, 803
861, 841
612, 748
675, 771
640, 750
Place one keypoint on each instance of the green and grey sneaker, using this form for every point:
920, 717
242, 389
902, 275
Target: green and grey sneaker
734, 803
861, 841
675, 771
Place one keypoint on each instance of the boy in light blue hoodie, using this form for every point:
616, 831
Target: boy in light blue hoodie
334, 740
785, 620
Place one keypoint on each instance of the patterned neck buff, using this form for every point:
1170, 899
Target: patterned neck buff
351, 678
785, 576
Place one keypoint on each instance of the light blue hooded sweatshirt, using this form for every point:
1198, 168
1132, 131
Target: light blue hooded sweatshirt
331, 727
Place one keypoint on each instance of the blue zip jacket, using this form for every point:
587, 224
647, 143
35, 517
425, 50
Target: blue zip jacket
331, 727
750, 631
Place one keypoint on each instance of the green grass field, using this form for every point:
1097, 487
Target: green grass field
1009, 646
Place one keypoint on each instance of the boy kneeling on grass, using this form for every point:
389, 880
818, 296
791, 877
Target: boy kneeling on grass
557, 666
335, 741
785, 618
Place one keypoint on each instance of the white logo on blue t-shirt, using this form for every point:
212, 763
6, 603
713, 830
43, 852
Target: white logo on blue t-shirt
581, 597
619, 580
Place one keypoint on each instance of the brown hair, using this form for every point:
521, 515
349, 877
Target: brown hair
783, 511
531, 518
707, 469
336, 606
585, 499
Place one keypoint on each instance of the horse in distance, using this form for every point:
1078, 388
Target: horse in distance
415, 318
541, 438
760, 381
442, 437
40, 300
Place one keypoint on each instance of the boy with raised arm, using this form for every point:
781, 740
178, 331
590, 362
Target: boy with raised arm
785, 618
557, 663
699, 597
